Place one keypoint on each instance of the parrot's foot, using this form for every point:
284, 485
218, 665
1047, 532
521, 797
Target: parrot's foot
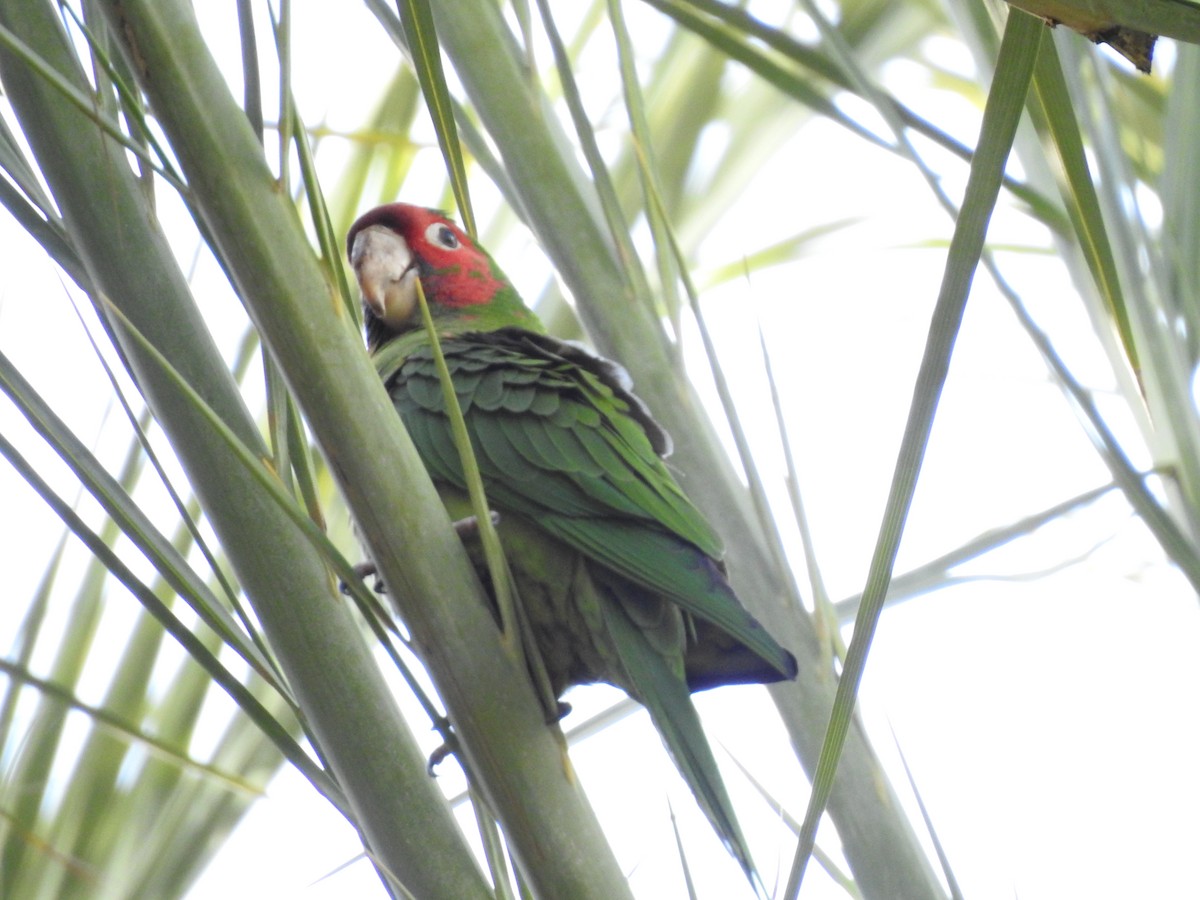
438, 756
468, 528
448, 747
561, 710
363, 571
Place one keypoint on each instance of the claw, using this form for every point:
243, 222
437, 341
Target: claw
448, 747
466, 529
436, 758
563, 709
363, 571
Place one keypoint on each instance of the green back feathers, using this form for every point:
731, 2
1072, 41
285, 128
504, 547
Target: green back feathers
573, 438
561, 441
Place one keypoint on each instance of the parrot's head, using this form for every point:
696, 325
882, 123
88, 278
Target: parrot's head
393, 246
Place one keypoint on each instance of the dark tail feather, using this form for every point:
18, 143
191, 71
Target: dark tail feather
715, 658
667, 698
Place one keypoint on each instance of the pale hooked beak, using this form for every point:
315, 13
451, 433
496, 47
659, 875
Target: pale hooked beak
387, 274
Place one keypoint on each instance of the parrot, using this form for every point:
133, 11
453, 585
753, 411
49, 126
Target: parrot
619, 576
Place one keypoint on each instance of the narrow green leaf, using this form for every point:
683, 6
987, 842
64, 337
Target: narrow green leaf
943, 859
1014, 71
1056, 113
610, 204
132, 520
647, 169
937, 572
127, 729
421, 35
221, 675
85, 105
724, 31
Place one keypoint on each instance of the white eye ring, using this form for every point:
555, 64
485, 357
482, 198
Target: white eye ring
442, 235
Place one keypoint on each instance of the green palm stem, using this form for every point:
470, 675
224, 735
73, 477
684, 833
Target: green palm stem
352, 718
506, 745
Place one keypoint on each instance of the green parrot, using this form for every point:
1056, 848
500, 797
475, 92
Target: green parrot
618, 575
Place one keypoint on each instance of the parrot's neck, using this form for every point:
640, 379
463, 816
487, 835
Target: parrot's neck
389, 349
504, 309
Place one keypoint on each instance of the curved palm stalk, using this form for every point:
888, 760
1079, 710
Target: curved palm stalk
499, 722
106, 216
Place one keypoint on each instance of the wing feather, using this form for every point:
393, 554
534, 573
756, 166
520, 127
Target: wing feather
690, 579
558, 443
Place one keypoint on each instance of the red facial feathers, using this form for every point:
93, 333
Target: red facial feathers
453, 270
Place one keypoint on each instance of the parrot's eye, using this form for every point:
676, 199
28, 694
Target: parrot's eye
442, 236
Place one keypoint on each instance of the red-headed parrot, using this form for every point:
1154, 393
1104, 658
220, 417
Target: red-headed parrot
619, 575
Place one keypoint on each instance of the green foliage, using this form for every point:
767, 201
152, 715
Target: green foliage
131, 146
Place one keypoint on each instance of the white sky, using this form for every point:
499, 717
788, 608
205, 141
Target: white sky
1051, 723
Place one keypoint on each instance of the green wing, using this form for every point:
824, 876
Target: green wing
560, 440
